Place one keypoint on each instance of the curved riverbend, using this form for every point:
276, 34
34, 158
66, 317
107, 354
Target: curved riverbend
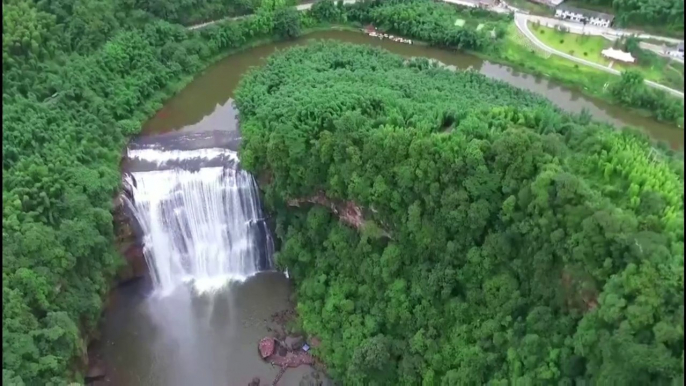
215, 87
212, 340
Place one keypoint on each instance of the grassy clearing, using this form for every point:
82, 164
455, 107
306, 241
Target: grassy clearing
674, 76
658, 69
517, 50
516, 39
460, 22
582, 46
651, 65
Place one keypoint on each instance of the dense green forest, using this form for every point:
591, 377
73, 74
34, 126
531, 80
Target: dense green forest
434, 23
503, 242
631, 90
654, 14
78, 80
79, 77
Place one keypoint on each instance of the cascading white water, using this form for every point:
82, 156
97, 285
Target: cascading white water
203, 226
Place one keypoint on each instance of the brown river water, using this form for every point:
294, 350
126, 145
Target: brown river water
208, 93
212, 340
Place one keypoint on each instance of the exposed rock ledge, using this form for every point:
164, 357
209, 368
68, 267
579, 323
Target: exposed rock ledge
127, 241
347, 211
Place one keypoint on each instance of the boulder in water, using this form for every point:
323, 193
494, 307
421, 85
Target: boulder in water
266, 347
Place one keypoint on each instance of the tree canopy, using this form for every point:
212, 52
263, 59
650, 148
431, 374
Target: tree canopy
503, 241
80, 76
78, 80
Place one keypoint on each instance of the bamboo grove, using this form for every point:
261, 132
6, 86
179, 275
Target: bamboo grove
80, 76
503, 242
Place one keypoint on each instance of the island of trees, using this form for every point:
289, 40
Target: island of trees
504, 239
497, 240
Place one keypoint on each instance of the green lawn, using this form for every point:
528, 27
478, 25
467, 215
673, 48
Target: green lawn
582, 46
674, 76
652, 66
460, 22
517, 49
658, 69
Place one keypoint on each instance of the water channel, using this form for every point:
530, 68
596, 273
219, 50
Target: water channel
206, 98
210, 340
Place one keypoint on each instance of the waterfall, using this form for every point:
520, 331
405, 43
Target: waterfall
200, 217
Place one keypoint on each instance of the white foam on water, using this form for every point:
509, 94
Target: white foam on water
197, 225
160, 157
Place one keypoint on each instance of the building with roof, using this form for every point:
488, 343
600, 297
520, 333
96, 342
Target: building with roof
585, 16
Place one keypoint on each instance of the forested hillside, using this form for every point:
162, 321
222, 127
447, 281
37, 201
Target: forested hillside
502, 241
79, 77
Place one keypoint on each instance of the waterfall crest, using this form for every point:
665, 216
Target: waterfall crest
200, 217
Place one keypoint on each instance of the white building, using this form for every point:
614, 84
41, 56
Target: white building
585, 16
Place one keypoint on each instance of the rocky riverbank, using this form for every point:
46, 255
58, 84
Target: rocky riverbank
288, 349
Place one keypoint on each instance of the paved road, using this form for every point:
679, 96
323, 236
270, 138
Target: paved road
521, 20
593, 30
660, 50
300, 7
589, 29
521, 23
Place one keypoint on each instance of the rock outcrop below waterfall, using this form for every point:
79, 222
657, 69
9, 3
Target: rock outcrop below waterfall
128, 243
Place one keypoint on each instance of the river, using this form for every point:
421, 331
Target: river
206, 97
209, 340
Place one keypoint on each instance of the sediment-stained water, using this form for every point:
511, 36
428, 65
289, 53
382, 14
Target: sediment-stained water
183, 339
187, 338
204, 101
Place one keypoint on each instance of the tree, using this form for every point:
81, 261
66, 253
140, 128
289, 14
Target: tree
287, 22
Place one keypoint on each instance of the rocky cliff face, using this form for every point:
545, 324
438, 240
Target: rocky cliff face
128, 243
347, 211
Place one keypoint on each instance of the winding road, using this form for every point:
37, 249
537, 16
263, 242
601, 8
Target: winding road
521, 20
578, 28
300, 7
521, 23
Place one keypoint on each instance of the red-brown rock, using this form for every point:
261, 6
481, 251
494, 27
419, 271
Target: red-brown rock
266, 347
